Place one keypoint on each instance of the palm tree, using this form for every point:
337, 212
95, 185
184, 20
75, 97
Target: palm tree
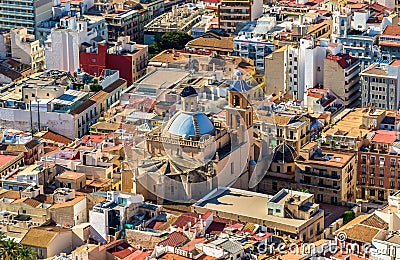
9, 249
26, 253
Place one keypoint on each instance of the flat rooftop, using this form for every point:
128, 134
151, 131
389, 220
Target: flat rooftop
163, 78
70, 175
245, 203
285, 195
349, 125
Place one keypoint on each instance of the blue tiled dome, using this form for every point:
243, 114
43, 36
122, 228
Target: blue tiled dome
183, 124
188, 91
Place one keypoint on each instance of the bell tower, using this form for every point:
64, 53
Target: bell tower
239, 110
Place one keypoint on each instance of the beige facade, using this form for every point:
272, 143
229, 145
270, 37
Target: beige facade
72, 180
11, 163
89, 252
26, 49
275, 76
341, 75
328, 174
290, 129
48, 241
233, 12
90, 111
15, 227
70, 213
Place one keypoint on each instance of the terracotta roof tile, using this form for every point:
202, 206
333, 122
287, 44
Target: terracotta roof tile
68, 203
41, 237
392, 30
174, 239
28, 201
211, 41
344, 60
55, 137
184, 219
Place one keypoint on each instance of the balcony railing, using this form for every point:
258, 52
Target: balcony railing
322, 175
320, 185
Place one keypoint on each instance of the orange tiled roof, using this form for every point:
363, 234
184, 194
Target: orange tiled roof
52, 136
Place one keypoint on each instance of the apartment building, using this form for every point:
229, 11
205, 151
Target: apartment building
122, 23
65, 42
341, 75
341, 23
129, 58
180, 19
210, 41
293, 130
378, 166
328, 174
389, 42
24, 13
362, 47
154, 7
294, 69
381, 86
108, 217
251, 44
27, 50
234, 12
285, 212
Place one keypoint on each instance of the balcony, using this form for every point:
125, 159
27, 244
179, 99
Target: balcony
319, 185
322, 175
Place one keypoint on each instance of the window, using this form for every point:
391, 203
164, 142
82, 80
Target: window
381, 183
372, 181
371, 192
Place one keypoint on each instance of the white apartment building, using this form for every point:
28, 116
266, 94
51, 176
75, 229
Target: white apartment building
63, 45
305, 66
380, 85
108, 217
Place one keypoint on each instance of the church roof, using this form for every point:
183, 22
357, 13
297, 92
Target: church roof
190, 124
188, 91
284, 153
240, 86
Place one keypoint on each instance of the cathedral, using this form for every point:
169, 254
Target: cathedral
192, 154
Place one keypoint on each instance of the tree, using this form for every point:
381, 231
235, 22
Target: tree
95, 87
173, 40
9, 249
305, 190
348, 216
26, 253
